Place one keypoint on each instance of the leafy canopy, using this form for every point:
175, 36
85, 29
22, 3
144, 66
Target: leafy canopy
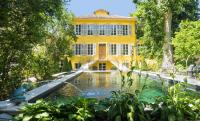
187, 40
151, 16
25, 24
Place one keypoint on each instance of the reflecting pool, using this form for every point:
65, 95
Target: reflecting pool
100, 84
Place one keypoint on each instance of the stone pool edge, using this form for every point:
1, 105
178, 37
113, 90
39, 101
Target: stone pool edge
178, 78
41, 91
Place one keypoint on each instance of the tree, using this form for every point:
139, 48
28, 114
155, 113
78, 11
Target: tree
55, 48
153, 14
190, 12
25, 24
187, 42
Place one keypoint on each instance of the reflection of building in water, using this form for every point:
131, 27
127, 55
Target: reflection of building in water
102, 79
115, 77
84, 80
98, 85
68, 90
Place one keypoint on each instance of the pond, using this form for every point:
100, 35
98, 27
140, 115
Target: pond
100, 84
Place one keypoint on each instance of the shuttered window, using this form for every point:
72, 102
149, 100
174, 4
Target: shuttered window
124, 49
84, 49
113, 49
102, 29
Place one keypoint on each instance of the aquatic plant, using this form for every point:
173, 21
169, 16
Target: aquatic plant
177, 104
73, 109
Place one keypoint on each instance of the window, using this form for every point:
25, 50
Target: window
102, 66
84, 49
95, 29
113, 48
78, 49
84, 29
114, 30
78, 29
90, 31
124, 49
90, 49
119, 29
102, 29
77, 65
108, 29
125, 30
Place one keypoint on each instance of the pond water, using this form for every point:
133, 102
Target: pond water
100, 85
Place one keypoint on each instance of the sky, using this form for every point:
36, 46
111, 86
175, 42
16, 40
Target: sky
87, 7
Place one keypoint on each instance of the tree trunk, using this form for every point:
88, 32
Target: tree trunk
186, 62
167, 63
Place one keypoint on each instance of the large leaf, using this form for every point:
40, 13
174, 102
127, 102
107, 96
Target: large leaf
27, 118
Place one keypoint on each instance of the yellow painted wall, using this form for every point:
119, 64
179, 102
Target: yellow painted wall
105, 39
109, 66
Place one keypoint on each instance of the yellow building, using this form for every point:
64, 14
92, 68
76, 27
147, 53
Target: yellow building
107, 41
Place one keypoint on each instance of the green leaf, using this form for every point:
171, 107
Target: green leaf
45, 114
171, 117
130, 116
118, 118
27, 118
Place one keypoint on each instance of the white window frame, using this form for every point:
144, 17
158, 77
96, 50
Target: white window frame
113, 49
125, 30
113, 29
102, 29
90, 49
119, 29
90, 29
84, 29
78, 49
77, 29
102, 66
124, 49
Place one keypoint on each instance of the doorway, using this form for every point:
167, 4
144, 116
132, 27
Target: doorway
102, 66
102, 51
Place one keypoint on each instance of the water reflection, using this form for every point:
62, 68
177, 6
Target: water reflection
95, 85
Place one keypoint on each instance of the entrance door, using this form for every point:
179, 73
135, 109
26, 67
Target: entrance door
102, 51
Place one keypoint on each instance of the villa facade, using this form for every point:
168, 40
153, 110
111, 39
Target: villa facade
108, 41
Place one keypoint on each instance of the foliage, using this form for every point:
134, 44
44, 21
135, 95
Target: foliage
40, 66
28, 24
41, 110
150, 23
144, 66
151, 16
67, 65
178, 105
189, 11
187, 42
126, 105
73, 109
80, 109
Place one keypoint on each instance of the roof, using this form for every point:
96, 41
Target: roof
103, 14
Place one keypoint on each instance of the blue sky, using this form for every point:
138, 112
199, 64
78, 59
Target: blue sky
117, 7
87, 7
